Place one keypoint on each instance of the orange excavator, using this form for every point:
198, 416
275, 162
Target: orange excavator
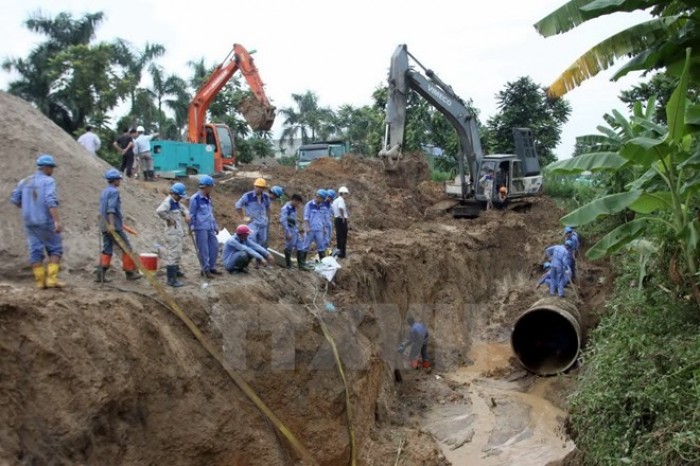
172, 159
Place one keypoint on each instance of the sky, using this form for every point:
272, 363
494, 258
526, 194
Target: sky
341, 51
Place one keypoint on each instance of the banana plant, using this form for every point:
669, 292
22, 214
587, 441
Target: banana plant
664, 193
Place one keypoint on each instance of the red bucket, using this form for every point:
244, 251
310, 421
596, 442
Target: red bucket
149, 261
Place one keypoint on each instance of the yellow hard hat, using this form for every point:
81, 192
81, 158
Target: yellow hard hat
260, 183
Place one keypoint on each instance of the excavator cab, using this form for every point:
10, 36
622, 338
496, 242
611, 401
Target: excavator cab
219, 136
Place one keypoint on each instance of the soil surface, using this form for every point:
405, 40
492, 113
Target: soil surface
108, 375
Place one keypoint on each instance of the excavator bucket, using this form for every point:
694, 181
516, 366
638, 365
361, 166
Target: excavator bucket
257, 115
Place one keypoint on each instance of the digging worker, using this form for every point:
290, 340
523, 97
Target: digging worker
204, 226
176, 221
571, 235
36, 197
314, 222
257, 211
418, 340
340, 214
290, 227
90, 141
142, 150
239, 250
112, 225
558, 259
547, 276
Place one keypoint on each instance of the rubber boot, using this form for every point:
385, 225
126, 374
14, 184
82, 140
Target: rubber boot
52, 276
288, 258
129, 268
39, 276
301, 260
171, 271
179, 273
145, 175
101, 271
152, 173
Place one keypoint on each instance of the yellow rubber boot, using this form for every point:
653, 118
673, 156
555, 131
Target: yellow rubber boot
52, 277
39, 276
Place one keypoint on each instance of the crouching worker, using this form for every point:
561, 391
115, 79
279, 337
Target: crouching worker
111, 224
176, 218
292, 237
239, 250
418, 341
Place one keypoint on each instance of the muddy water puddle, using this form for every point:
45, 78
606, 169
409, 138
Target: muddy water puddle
505, 418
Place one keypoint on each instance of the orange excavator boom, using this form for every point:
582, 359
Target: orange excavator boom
257, 110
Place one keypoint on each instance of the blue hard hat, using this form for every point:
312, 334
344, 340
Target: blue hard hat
331, 193
546, 265
277, 191
206, 180
113, 174
568, 230
179, 189
568, 243
322, 193
45, 160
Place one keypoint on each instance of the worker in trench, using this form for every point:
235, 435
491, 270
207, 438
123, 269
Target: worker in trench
327, 207
559, 257
418, 341
256, 204
176, 220
289, 222
571, 235
112, 225
204, 226
36, 197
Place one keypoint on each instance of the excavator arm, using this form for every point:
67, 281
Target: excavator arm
257, 110
402, 79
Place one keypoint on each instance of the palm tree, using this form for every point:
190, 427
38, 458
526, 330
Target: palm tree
659, 42
308, 120
164, 86
134, 61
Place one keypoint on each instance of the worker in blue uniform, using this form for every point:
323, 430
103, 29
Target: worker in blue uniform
418, 341
240, 249
204, 226
36, 197
290, 226
256, 204
314, 224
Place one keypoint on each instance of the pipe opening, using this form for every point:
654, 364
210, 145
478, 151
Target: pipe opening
546, 341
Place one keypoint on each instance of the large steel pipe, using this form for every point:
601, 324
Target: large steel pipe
546, 338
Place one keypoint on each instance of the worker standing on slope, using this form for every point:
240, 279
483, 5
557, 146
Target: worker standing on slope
257, 211
36, 196
340, 214
314, 222
239, 250
572, 236
328, 210
90, 141
204, 226
290, 226
277, 194
558, 258
418, 340
112, 224
176, 221
142, 150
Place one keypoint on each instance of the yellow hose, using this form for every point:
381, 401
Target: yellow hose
301, 450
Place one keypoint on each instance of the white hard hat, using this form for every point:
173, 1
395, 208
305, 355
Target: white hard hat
140, 129
343, 190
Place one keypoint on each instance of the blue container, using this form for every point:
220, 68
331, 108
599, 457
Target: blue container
174, 159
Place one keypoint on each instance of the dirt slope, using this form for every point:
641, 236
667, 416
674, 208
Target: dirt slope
26, 133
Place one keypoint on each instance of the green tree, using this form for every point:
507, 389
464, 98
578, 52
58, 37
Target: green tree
525, 104
361, 128
306, 119
166, 90
660, 86
134, 62
657, 43
65, 76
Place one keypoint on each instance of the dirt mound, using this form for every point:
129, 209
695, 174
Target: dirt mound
26, 133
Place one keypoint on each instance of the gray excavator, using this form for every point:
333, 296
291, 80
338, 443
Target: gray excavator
519, 173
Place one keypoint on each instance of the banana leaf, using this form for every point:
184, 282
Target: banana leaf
618, 238
594, 162
602, 206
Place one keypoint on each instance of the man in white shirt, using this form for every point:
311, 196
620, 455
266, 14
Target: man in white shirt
142, 149
340, 214
90, 141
